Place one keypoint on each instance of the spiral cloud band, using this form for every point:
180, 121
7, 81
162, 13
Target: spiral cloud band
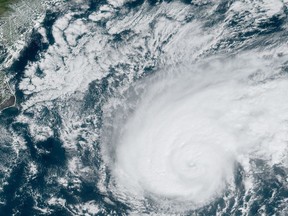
191, 126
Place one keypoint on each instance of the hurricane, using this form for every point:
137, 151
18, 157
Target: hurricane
188, 128
144, 108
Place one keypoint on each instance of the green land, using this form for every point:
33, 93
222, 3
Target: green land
4, 6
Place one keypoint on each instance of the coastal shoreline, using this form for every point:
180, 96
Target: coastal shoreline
7, 97
10, 102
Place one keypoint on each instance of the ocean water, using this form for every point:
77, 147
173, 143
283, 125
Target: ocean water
146, 108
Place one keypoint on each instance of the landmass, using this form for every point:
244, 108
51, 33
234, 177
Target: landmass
7, 98
4, 6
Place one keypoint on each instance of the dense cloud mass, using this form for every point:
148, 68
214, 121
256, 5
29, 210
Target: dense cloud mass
193, 126
146, 107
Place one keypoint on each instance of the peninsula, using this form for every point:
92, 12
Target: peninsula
7, 98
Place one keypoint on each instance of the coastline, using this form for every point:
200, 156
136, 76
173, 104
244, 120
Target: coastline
10, 102
7, 97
